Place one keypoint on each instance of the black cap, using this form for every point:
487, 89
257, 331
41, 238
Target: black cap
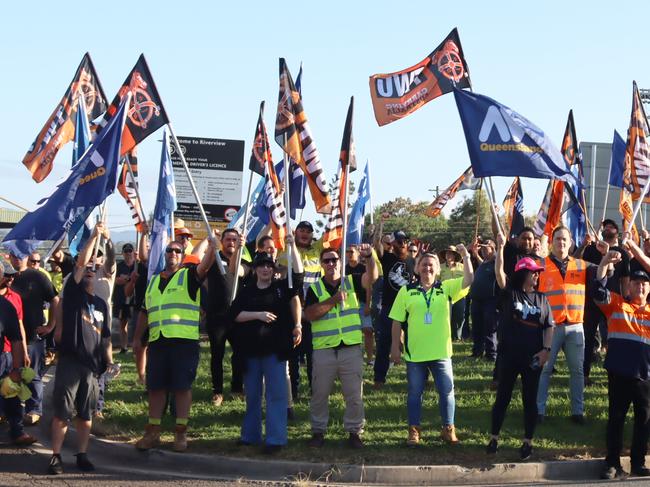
8, 269
262, 258
305, 224
127, 246
639, 276
609, 221
400, 235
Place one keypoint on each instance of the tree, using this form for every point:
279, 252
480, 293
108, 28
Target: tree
464, 217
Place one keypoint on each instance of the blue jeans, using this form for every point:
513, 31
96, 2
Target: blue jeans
36, 351
443, 375
570, 338
271, 374
11, 408
383, 337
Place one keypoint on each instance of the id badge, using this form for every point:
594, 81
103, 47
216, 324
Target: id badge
428, 319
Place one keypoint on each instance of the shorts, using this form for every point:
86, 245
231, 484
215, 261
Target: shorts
124, 312
172, 364
366, 321
75, 389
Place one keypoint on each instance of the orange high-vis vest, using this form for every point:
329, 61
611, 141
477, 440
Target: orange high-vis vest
565, 295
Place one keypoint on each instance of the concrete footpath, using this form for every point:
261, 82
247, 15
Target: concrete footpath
110, 455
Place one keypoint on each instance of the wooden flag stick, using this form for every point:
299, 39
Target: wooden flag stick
287, 212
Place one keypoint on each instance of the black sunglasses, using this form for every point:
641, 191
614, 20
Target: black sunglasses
127, 251
169, 250
331, 260
34, 261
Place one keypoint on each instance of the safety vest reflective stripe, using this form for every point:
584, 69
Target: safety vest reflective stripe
628, 318
191, 307
558, 292
174, 321
628, 336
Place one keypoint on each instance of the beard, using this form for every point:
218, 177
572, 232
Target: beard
609, 234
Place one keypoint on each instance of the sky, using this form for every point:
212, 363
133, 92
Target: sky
213, 62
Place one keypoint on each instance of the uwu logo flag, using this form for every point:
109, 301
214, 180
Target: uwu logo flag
501, 142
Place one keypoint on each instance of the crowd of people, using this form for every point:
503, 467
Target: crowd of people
390, 300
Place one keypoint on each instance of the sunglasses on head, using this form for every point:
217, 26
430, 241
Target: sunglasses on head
175, 250
331, 260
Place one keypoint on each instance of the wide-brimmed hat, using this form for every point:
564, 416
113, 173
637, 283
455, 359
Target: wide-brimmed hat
451, 248
182, 231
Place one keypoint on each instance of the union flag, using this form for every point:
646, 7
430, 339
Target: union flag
146, 112
60, 126
465, 181
127, 187
637, 150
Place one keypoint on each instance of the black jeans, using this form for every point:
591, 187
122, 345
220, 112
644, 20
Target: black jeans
457, 319
217, 335
384, 340
623, 391
484, 327
593, 318
510, 366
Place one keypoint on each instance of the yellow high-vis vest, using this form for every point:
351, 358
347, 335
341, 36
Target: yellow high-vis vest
172, 313
337, 325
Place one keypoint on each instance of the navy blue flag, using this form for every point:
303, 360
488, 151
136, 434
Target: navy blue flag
81, 228
355, 223
618, 161
503, 143
87, 185
162, 213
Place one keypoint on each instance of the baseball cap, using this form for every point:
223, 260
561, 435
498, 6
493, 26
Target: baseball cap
400, 235
609, 221
306, 225
639, 276
528, 264
8, 269
127, 246
262, 258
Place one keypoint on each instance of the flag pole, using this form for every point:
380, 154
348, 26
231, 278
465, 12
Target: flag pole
135, 183
609, 173
177, 145
345, 170
637, 206
370, 194
14, 204
478, 209
287, 212
241, 248
102, 218
492, 197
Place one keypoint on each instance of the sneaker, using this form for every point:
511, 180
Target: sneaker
378, 386
291, 415
355, 441
56, 465
317, 440
492, 447
578, 418
217, 400
494, 385
525, 451
83, 463
540, 418
641, 471
241, 442
414, 436
611, 473
24, 440
124, 350
31, 419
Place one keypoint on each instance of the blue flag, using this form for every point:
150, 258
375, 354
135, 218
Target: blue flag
162, 213
618, 161
503, 143
255, 223
81, 228
87, 185
355, 223
297, 185
574, 217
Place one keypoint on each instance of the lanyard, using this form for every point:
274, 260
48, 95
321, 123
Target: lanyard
427, 300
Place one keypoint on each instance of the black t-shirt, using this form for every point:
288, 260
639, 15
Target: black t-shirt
35, 289
523, 318
622, 269
86, 329
511, 255
484, 285
358, 270
397, 273
119, 299
218, 295
256, 338
140, 288
9, 326
67, 265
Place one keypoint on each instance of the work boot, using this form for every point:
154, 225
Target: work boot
448, 434
180, 438
355, 441
150, 439
317, 440
414, 436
